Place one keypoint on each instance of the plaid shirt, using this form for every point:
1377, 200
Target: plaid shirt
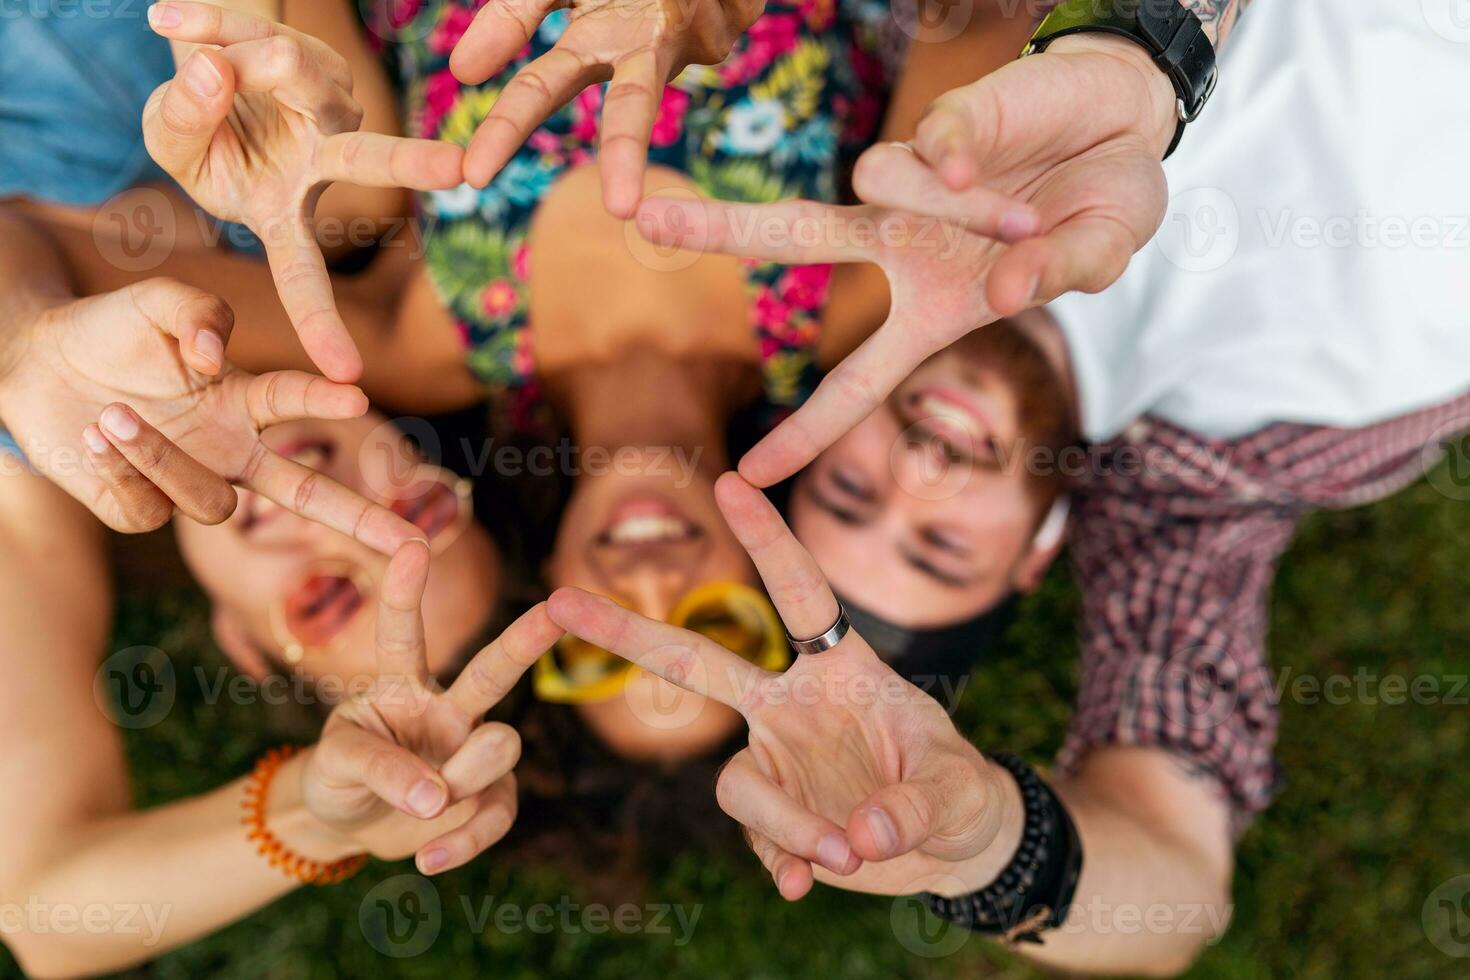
1175, 544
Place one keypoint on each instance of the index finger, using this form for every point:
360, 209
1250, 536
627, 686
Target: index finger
628, 113
319, 498
795, 583
794, 232
496, 669
375, 160
681, 657
840, 402
206, 23
305, 289
400, 634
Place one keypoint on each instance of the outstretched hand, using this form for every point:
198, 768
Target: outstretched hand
412, 768
850, 772
125, 400
639, 44
256, 129
1016, 189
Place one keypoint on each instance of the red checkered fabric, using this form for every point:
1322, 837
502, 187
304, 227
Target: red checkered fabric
1175, 544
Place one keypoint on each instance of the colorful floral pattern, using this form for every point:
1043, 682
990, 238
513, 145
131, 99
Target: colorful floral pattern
801, 92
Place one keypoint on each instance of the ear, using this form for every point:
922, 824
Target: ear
234, 640
1045, 547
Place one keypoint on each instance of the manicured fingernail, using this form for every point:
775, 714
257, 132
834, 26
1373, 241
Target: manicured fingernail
165, 16
885, 835
425, 798
1018, 223
120, 422
431, 861
834, 852
207, 344
202, 77
94, 439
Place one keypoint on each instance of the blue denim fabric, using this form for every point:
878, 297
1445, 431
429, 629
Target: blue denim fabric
74, 77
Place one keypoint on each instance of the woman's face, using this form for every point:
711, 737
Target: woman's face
647, 538
278, 580
925, 513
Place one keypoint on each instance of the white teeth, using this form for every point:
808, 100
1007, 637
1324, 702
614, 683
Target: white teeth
948, 411
643, 530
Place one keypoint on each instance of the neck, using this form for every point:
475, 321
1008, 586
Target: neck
647, 398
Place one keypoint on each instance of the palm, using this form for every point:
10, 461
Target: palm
259, 167
413, 767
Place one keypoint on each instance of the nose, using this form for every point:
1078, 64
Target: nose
321, 543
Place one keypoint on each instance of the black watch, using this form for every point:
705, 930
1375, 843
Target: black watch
1170, 31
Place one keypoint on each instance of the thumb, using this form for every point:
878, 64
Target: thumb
201, 322
182, 115
942, 810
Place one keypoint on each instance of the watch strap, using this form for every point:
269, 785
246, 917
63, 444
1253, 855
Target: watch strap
1171, 32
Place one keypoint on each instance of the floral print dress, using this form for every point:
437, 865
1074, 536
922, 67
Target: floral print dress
801, 93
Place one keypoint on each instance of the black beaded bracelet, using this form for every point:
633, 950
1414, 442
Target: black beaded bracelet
1035, 890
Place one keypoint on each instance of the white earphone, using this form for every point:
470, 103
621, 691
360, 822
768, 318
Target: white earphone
1054, 528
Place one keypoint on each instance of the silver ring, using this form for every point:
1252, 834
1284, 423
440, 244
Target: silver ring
828, 639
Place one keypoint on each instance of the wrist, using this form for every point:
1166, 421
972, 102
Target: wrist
1157, 100
979, 870
293, 823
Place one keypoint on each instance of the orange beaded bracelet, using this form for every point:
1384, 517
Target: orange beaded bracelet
270, 847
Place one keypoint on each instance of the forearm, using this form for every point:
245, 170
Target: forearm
1155, 884
35, 279
151, 881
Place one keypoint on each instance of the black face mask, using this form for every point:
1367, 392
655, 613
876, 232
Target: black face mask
941, 656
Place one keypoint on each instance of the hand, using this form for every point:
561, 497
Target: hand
412, 768
178, 423
850, 768
640, 44
256, 130
1030, 188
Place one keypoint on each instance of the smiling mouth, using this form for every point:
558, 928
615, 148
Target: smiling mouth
432, 508
321, 608
648, 521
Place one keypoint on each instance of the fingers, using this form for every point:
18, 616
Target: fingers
319, 498
679, 656
496, 669
897, 819
795, 232
841, 400
374, 160
536, 91
302, 75
893, 175
628, 112
400, 631
490, 752
1086, 254
205, 23
132, 504
792, 875
182, 116
289, 396
766, 810
498, 33
189, 485
492, 820
945, 137
305, 289
351, 756
200, 322
797, 587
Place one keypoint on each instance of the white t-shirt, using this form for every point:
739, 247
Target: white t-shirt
1314, 266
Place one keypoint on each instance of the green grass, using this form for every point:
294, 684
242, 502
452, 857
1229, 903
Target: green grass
1331, 883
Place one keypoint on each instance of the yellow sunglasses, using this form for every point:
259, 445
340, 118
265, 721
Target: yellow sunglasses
732, 614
